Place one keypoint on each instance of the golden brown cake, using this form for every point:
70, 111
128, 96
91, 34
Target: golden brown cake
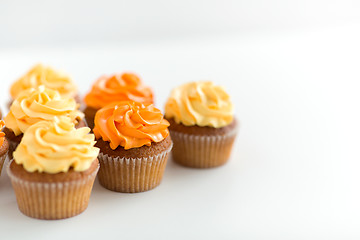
202, 125
54, 169
134, 146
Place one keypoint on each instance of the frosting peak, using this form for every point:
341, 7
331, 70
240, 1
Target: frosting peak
43, 75
118, 87
130, 124
34, 105
200, 103
56, 146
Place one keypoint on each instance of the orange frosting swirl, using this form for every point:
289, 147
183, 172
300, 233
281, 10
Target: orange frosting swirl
118, 87
2, 134
130, 124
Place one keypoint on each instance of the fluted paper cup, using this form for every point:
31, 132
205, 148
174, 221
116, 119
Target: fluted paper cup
202, 151
132, 175
52, 200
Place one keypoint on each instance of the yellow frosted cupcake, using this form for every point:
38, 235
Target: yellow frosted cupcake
202, 124
38, 104
47, 76
54, 169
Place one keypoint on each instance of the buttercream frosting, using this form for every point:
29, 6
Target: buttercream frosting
200, 103
37, 104
47, 76
2, 134
130, 124
56, 146
118, 87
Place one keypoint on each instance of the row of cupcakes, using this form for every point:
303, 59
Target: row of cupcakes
56, 157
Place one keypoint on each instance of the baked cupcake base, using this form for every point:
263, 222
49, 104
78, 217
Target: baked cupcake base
202, 147
3, 153
90, 116
52, 196
133, 170
15, 140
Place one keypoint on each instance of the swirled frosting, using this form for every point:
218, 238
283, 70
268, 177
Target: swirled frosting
56, 146
43, 75
200, 103
2, 134
34, 105
130, 124
118, 87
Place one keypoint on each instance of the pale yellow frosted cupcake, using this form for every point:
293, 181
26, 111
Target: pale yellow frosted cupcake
54, 169
47, 76
202, 124
38, 104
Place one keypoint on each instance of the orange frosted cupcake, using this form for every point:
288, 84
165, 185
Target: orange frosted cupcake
4, 146
115, 88
38, 104
54, 169
202, 125
134, 146
47, 76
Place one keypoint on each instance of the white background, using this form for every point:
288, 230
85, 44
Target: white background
292, 69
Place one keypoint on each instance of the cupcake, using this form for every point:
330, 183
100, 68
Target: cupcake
54, 169
50, 78
134, 146
115, 88
202, 125
4, 146
38, 104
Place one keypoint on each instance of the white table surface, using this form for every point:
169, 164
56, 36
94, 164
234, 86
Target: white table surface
294, 171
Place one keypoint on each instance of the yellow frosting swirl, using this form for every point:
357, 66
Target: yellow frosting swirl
200, 103
34, 105
56, 146
43, 75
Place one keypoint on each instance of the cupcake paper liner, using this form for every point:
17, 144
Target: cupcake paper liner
132, 175
52, 201
199, 151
